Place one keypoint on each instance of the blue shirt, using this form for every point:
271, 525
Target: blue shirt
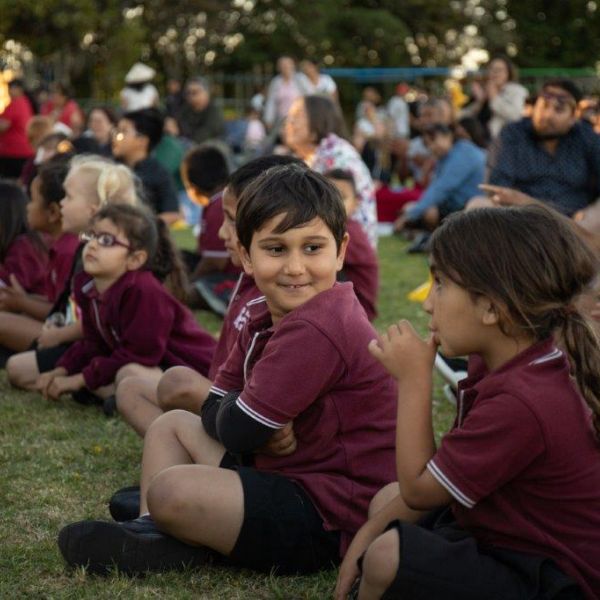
456, 180
567, 180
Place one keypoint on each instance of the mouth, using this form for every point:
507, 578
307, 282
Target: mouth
293, 286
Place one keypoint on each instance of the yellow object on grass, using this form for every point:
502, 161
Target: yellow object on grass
420, 293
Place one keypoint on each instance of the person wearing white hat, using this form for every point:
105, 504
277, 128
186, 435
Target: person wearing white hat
139, 91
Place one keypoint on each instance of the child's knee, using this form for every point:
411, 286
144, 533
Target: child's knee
381, 560
20, 372
168, 496
176, 387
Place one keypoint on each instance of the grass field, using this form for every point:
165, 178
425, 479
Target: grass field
60, 462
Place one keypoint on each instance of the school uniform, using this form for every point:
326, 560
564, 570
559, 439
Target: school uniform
136, 320
236, 317
313, 368
28, 262
60, 260
523, 467
361, 267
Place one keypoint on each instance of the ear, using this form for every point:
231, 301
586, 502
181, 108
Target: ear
490, 315
53, 212
245, 259
136, 260
342, 252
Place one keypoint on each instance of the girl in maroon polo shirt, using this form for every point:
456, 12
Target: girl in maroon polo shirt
128, 317
516, 482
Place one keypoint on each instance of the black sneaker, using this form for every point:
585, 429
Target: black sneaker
125, 503
420, 244
85, 397
133, 548
109, 406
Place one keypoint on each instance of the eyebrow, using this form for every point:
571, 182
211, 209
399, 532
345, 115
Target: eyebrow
279, 239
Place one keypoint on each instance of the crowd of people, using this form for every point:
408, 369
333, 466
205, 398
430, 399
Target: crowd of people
301, 439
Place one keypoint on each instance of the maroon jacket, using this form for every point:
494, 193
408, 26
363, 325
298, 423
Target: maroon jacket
135, 321
60, 260
28, 263
362, 268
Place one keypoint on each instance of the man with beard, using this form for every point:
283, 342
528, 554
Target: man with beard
551, 157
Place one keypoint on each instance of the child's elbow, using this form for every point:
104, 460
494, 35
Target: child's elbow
415, 499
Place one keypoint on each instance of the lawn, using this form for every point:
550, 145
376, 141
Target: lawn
60, 462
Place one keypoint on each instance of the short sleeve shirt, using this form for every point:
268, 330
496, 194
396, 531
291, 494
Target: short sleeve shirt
523, 465
313, 368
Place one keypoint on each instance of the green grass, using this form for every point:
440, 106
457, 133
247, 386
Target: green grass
60, 462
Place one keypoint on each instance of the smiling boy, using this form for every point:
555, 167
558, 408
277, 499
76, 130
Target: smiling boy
302, 358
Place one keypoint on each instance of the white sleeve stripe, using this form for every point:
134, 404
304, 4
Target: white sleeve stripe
454, 491
216, 390
216, 253
257, 416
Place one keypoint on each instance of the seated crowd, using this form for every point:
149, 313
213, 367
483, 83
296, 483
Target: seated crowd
301, 439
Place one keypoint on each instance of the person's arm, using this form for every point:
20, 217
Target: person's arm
456, 169
269, 112
14, 298
409, 359
508, 103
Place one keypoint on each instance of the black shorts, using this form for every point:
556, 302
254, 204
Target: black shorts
440, 560
282, 530
48, 357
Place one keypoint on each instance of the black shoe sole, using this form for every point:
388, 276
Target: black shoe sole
125, 504
103, 546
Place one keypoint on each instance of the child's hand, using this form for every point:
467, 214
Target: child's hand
282, 442
50, 336
44, 381
403, 353
12, 296
62, 385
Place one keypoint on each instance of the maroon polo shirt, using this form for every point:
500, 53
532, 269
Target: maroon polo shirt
235, 318
361, 267
313, 368
523, 465
209, 242
136, 320
28, 263
60, 260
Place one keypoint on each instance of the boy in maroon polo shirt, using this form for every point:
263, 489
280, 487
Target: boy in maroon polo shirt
301, 358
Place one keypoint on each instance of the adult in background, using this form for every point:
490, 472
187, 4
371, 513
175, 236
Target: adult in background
551, 157
101, 123
283, 90
62, 108
15, 148
499, 99
139, 91
315, 82
200, 119
314, 131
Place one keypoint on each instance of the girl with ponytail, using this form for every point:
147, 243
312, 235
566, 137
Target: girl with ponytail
508, 505
131, 323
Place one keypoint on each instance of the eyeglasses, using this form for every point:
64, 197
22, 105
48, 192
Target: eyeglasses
104, 239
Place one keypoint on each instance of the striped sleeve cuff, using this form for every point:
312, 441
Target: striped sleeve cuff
257, 416
453, 490
218, 391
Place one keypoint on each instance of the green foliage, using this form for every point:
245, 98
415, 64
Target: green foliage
60, 462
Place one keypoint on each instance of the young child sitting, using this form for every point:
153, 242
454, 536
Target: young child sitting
515, 485
361, 266
91, 183
139, 401
301, 358
119, 296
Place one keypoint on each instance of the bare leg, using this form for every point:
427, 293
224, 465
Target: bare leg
176, 438
18, 332
136, 370
136, 403
22, 370
380, 566
181, 387
198, 504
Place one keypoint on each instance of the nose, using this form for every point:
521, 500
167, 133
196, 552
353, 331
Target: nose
428, 304
294, 265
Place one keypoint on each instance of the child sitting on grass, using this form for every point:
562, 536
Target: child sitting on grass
361, 266
91, 183
139, 401
302, 358
514, 487
128, 317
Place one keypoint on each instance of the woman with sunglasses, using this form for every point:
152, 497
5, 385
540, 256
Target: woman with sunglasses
131, 323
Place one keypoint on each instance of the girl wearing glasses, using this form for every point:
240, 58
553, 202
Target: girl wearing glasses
128, 316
